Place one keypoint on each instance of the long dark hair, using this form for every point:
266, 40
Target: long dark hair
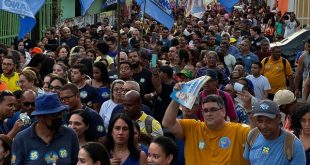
97, 152
86, 118
301, 110
105, 79
134, 152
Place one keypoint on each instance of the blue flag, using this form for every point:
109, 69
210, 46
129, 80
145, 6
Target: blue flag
160, 10
27, 9
111, 2
228, 4
85, 5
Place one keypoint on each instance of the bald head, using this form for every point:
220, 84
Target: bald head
132, 104
29, 94
133, 96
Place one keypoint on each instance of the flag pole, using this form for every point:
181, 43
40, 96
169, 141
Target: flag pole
143, 18
118, 36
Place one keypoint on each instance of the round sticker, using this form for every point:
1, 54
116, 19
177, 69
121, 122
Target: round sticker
83, 94
265, 150
34, 155
105, 95
142, 80
224, 142
100, 128
63, 153
201, 144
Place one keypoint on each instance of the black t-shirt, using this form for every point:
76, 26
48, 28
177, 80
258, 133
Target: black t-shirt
162, 101
145, 79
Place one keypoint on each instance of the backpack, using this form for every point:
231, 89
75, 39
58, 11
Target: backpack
288, 148
148, 124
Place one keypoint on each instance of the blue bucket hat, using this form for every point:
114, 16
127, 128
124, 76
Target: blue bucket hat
48, 103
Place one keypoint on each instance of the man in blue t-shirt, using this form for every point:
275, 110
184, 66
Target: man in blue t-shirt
268, 144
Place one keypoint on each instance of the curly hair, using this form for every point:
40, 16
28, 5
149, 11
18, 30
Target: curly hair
301, 110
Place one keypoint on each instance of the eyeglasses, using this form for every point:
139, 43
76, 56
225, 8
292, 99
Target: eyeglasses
7, 64
66, 98
54, 87
212, 109
27, 104
117, 90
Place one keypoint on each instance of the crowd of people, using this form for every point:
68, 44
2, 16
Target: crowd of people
78, 97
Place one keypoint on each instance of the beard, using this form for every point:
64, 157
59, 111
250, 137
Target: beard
135, 65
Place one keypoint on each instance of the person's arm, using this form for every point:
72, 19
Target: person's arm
307, 89
16, 128
298, 75
170, 122
18, 151
143, 157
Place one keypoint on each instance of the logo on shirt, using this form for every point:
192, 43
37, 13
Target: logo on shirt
224, 142
63, 153
51, 157
13, 159
265, 150
83, 94
142, 80
105, 95
201, 144
100, 128
34, 155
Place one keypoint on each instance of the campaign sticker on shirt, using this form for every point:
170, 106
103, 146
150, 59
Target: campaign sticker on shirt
13, 159
265, 150
224, 142
201, 144
100, 128
83, 94
34, 155
105, 95
51, 157
63, 153
142, 80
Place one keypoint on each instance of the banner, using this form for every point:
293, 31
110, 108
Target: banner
195, 8
111, 2
27, 9
228, 4
160, 10
85, 4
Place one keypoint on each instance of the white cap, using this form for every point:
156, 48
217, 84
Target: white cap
283, 97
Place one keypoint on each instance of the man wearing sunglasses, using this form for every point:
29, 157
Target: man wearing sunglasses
46, 141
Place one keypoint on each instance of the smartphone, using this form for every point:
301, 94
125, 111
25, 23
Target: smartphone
154, 37
154, 60
238, 87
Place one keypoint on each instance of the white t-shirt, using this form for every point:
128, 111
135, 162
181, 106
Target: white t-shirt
106, 112
261, 84
230, 61
290, 28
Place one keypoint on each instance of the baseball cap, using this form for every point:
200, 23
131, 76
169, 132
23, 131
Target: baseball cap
212, 73
36, 50
186, 73
266, 108
283, 97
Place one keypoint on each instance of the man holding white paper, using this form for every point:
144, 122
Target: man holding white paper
214, 141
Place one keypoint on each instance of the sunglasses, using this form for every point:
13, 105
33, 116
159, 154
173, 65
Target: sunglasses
27, 104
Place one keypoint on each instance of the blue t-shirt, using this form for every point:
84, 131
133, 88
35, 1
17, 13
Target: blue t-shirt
271, 152
89, 95
104, 94
248, 60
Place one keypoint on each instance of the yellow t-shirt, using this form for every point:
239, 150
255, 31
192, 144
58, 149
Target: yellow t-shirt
275, 73
206, 147
11, 82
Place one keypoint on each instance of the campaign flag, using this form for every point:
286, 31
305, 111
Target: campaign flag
85, 5
228, 4
160, 10
111, 2
27, 9
195, 8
